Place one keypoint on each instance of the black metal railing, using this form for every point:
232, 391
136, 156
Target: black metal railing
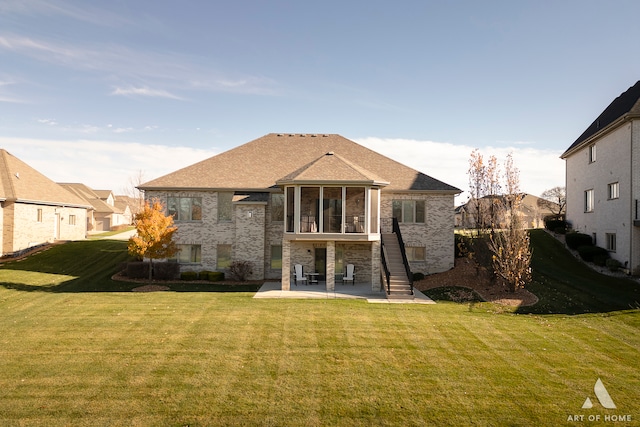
405, 261
387, 273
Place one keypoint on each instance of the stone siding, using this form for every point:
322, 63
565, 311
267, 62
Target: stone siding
23, 230
436, 235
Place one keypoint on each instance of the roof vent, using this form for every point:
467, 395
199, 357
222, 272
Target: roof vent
330, 153
313, 135
18, 175
302, 135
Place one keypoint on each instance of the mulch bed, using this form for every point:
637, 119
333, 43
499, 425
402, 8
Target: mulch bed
468, 274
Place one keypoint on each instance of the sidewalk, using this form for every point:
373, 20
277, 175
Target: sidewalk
358, 291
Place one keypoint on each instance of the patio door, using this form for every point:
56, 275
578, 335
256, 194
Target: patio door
321, 263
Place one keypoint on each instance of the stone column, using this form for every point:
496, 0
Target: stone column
286, 265
375, 265
331, 266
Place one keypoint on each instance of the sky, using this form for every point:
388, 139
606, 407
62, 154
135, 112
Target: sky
101, 92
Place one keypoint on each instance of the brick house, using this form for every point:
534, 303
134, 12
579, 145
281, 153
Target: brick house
107, 214
321, 201
34, 209
603, 179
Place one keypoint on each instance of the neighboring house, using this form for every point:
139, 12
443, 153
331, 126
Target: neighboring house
316, 200
34, 209
105, 215
603, 179
530, 212
130, 206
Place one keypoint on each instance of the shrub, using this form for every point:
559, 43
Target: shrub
240, 270
166, 270
418, 276
204, 274
600, 259
589, 252
613, 264
560, 230
215, 276
188, 275
555, 224
574, 240
138, 270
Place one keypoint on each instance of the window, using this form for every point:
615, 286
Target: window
189, 254
224, 256
276, 257
185, 208
72, 220
613, 190
415, 253
277, 207
224, 206
611, 241
588, 201
39, 218
409, 211
592, 153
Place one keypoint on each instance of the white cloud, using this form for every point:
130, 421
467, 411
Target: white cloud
101, 164
47, 122
144, 91
539, 169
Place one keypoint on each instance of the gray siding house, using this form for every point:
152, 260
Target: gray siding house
319, 200
603, 179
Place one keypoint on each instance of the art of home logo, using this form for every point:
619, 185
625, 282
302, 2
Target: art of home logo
604, 399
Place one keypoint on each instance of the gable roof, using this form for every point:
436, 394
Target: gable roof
19, 182
91, 197
273, 158
625, 106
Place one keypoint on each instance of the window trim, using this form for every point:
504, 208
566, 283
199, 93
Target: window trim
592, 153
178, 210
589, 201
39, 215
611, 241
414, 213
613, 190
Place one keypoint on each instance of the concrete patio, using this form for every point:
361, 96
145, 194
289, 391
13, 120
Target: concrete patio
319, 291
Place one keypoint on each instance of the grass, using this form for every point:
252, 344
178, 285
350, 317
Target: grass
565, 285
73, 356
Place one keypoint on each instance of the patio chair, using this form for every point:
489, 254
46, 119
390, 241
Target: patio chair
298, 276
349, 275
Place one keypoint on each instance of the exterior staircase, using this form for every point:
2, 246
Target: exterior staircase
399, 284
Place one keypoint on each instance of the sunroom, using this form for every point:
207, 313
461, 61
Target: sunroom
331, 202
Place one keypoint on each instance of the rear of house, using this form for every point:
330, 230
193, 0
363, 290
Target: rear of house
318, 200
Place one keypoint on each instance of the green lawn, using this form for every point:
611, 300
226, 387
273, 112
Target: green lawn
74, 356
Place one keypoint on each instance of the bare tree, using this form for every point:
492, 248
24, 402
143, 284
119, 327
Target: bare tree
554, 200
477, 186
511, 247
131, 190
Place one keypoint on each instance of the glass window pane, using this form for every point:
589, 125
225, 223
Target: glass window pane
196, 253
407, 211
172, 207
276, 257
196, 209
397, 210
355, 220
290, 208
332, 209
420, 214
277, 207
224, 256
185, 208
309, 206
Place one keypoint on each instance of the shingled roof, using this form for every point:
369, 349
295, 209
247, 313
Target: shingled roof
19, 182
273, 158
625, 106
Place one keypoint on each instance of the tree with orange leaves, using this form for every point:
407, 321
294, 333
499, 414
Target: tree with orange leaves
154, 237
